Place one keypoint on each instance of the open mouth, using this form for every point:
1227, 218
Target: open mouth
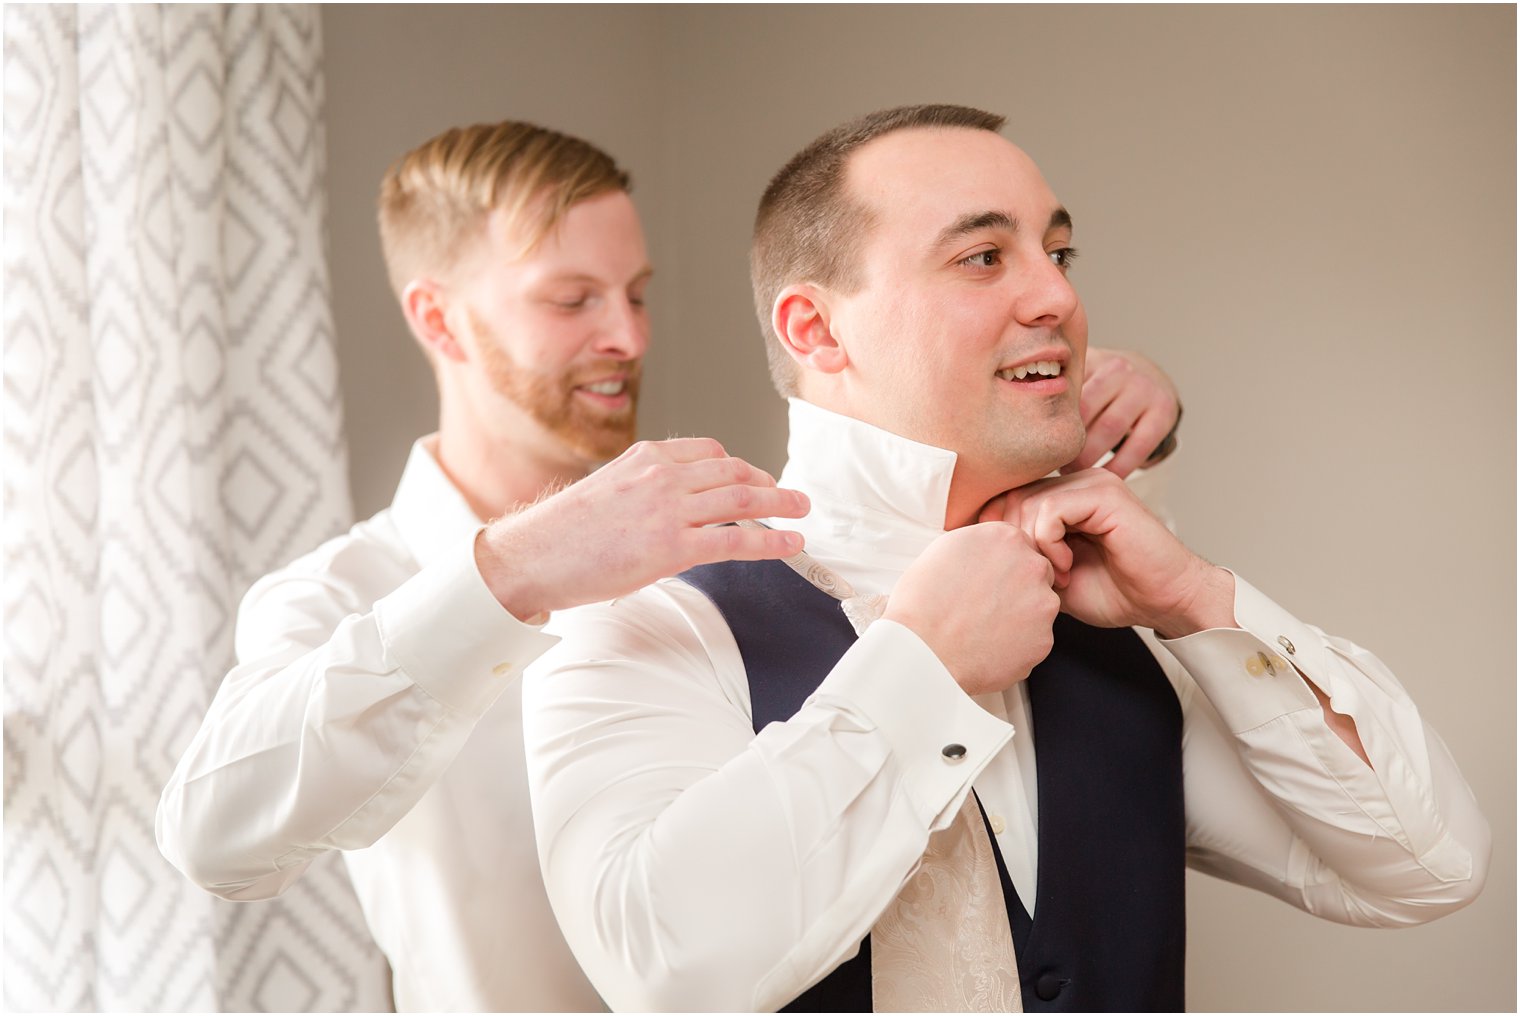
1039, 370
612, 388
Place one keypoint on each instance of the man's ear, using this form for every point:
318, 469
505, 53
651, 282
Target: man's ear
801, 317
425, 307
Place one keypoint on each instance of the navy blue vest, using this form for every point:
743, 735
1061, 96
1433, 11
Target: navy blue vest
1109, 926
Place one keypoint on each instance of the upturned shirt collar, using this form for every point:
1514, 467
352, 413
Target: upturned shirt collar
878, 499
429, 512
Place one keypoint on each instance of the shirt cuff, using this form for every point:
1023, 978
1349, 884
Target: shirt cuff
1248, 672
444, 629
939, 736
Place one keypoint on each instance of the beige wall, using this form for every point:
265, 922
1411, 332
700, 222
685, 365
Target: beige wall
1306, 214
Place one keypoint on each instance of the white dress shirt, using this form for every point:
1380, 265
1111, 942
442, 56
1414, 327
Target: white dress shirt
376, 710
696, 865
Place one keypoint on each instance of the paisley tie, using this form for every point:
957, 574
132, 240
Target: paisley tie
944, 944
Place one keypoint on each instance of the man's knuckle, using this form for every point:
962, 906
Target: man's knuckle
658, 476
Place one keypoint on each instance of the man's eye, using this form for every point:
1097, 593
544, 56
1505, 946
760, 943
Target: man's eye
572, 303
1064, 256
990, 258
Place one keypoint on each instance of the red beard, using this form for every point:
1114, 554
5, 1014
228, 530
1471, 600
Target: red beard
550, 399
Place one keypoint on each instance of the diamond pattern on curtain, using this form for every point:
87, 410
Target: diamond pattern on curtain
172, 431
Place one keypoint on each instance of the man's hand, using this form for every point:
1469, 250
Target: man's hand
643, 516
980, 597
1125, 397
1115, 564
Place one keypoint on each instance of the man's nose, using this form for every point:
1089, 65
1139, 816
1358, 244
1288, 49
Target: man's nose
624, 334
1049, 298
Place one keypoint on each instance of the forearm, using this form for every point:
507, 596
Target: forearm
709, 905
335, 727
326, 752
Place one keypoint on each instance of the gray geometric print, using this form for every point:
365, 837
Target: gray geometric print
172, 431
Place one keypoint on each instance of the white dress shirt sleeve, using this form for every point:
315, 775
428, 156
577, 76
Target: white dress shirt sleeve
343, 711
693, 864
1275, 800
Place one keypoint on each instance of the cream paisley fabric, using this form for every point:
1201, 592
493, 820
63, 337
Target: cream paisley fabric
944, 944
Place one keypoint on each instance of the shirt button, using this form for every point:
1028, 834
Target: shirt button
953, 752
501, 668
1253, 665
998, 825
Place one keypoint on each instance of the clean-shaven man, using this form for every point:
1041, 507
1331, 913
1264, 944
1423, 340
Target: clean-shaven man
375, 708
741, 805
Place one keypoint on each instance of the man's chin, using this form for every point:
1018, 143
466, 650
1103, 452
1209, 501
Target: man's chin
597, 441
1026, 464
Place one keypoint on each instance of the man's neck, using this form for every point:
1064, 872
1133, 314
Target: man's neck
498, 476
963, 508
969, 494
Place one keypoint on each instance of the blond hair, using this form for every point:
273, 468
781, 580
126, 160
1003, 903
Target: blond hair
435, 199
809, 229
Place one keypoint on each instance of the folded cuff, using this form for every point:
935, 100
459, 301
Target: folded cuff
1248, 672
937, 733
445, 630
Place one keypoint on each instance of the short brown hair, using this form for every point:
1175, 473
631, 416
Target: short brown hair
809, 230
434, 200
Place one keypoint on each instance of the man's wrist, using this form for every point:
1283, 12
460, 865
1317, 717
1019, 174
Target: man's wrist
508, 582
1212, 605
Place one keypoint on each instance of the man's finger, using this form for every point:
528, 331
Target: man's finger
1113, 425
733, 543
708, 474
1098, 390
739, 501
994, 510
1144, 436
680, 449
1048, 530
1013, 501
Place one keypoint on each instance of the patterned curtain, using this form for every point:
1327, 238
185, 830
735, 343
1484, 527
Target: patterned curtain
172, 431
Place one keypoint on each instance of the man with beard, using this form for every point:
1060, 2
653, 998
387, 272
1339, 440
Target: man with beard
375, 706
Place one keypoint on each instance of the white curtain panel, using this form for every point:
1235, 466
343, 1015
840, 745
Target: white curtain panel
172, 431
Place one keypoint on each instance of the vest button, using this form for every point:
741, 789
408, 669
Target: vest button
1049, 985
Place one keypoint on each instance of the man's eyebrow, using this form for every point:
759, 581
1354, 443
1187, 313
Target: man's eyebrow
574, 276
970, 223
973, 221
